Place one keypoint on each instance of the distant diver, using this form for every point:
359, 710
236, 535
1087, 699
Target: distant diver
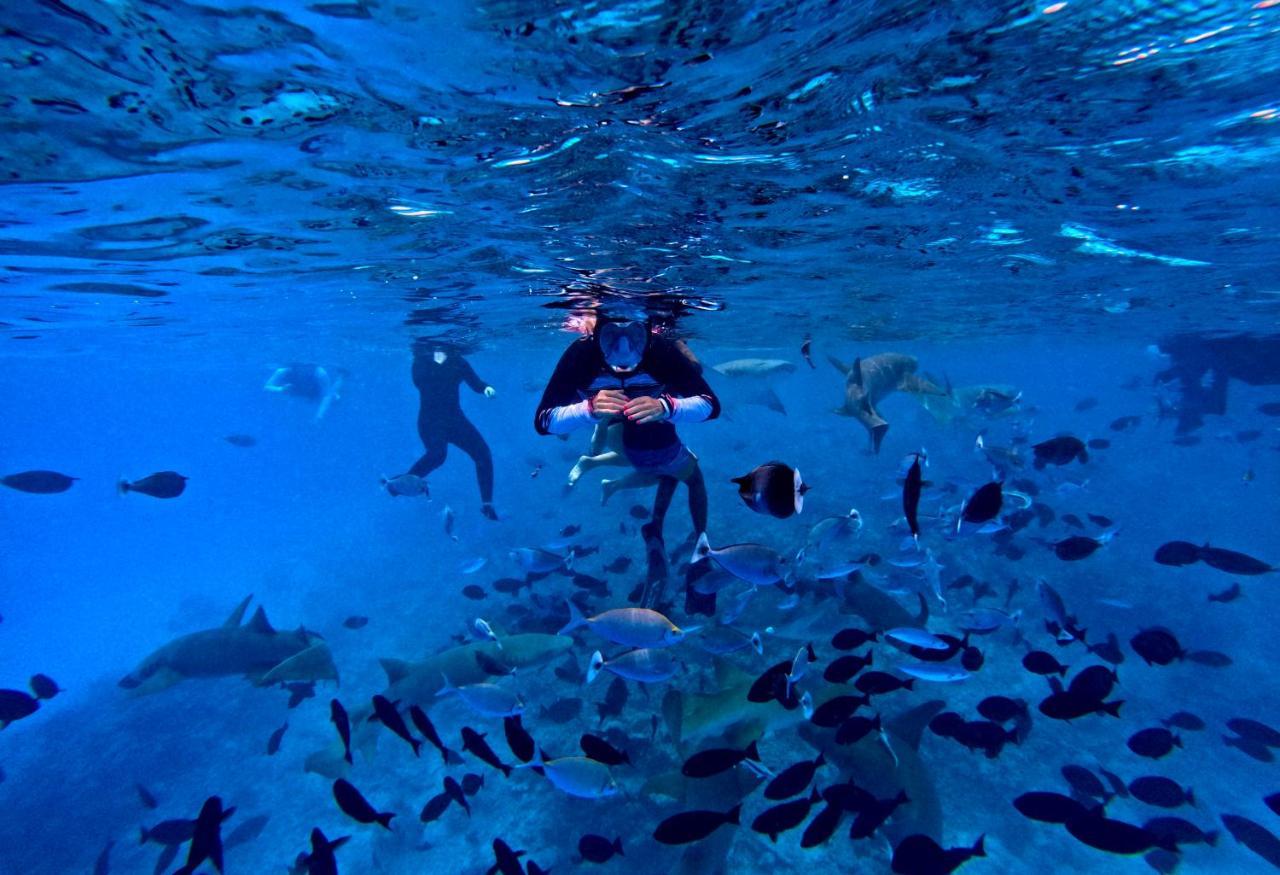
626, 373
1203, 364
438, 370
310, 382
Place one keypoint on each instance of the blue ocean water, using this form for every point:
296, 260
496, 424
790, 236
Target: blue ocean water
1065, 213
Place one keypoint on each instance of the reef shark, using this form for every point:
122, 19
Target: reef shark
253, 649
986, 400
760, 374
869, 380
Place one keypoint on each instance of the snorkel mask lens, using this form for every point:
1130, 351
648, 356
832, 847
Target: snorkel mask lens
622, 344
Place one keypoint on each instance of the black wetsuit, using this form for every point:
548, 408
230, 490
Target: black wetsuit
441, 421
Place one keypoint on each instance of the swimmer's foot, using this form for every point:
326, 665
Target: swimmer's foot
607, 489
575, 472
488, 511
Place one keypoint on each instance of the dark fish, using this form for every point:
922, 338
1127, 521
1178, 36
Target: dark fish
1248, 747
1118, 786
15, 705
834, 712
920, 855
946, 724
455, 792
1232, 562
570, 530
506, 860
874, 814
1113, 836
972, 659
615, 699
436, 806
793, 780
1184, 720
338, 716
1157, 646
1160, 791
1001, 709
822, 827
1230, 594
773, 686
510, 585
805, 350
984, 735
39, 482
984, 504
1270, 408
474, 743
1254, 731
321, 860
1085, 404
911, 486
843, 668
241, 440
1068, 706
774, 488
273, 743
788, 815
1176, 831
848, 796
246, 831
355, 622
601, 751
43, 686
599, 849
168, 832
875, 683
1072, 520
713, 761
850, 639
1100, 520
518, 738
471, 783
1061, 450
357, 807
1254, 836
693, 826
1077, 547
1153, 743
388, 715
619, 565
1162, 861
639, 512
300, 691
855, 729
1124, 423
162, 484
206, 838
1041, 663
146, 797
564, 710
428, 730
1085, 782
1095, 682
474, 591
1273, 802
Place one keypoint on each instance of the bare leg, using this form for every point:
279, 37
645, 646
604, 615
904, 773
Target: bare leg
631, 480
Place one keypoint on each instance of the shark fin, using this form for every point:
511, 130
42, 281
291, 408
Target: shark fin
855, 372
839, 365
237, 616
909, 725
259, 622
313, 664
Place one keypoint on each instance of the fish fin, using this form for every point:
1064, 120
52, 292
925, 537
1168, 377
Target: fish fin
922, 618
237, 616
597, 664
701, 550
313, 664
839, 365
575, 619
855, 372
259, 622
909, 726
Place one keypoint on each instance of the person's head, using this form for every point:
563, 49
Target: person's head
622, 335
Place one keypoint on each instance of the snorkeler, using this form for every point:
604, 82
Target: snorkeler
437, 373
625, 374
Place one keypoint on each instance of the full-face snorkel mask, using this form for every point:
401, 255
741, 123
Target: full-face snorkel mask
623, 339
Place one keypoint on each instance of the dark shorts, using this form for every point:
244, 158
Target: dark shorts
668, 461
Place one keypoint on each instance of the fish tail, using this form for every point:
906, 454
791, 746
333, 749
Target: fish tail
447, 688
122, 486
1211, 838
617, 846
702, 549
732, 815
417, 746
1113, 708
142, 835
752, 752
1191, 796
978, 849
597, 663
384, 819
575, 619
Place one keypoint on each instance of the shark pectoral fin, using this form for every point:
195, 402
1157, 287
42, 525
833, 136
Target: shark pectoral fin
313, 664
909, 725
327, 762
160, 679
237, 616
